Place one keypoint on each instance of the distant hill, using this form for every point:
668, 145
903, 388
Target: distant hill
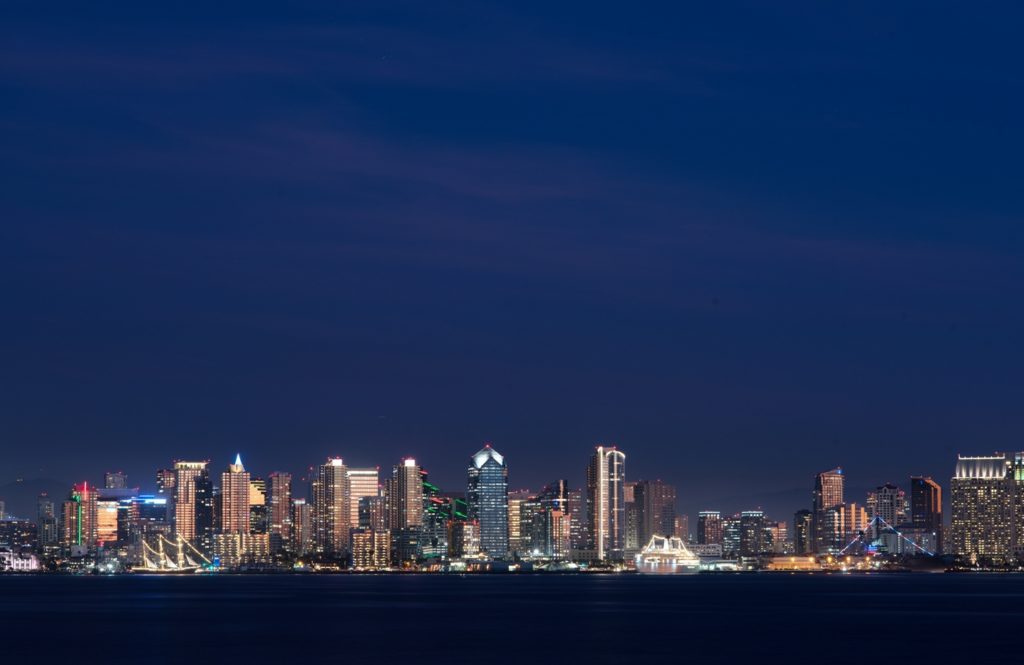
20, 497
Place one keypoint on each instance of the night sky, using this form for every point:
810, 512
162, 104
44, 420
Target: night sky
744, 241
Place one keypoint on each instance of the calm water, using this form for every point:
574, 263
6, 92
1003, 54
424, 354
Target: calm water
917, 618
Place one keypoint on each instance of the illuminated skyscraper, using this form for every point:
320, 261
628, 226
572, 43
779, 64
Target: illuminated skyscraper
828, 493
79, 517
302, 527
279, 496
606, 504
982, 528
405, 496
709, 527
331, 512
926, 508
234, 501
753, 534
487, 499
361, 483
193, 502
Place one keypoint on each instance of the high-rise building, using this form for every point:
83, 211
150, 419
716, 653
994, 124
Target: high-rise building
405, 496
361, 483
405, 510
926, 508
828, 493
487, 499
709, 527
732, 536
437, 510
983, 509
888, 503
753, 541
46, 518
302, 542
193, 503
516, 543
79, 516
115, 480
578, 530
234, 498
331, 512
606, 504
279, 498
803, 543
372, 513
657, 503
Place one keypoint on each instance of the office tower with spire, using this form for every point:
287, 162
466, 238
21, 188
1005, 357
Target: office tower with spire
279, 498
331, 511
828, 494
606, 504
487, 500
234, 498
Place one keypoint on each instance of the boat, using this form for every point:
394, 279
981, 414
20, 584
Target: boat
667, 555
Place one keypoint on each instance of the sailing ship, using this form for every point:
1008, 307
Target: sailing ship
170, 557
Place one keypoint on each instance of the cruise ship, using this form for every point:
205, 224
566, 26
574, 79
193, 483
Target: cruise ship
667, 555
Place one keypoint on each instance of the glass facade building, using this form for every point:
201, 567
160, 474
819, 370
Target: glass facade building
487, 500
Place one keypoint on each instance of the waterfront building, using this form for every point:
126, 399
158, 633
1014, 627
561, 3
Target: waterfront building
235, 549
983, 509
577, 521
331, 512
753, 534
371, 549
487, 500
709, 527
606, 505
828, 493
18, 534
732, 536
803, 542
279, 498
926, 510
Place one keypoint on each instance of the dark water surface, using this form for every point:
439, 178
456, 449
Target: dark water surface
915, 618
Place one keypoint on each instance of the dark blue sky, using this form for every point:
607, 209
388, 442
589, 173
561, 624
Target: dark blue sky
746, 242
